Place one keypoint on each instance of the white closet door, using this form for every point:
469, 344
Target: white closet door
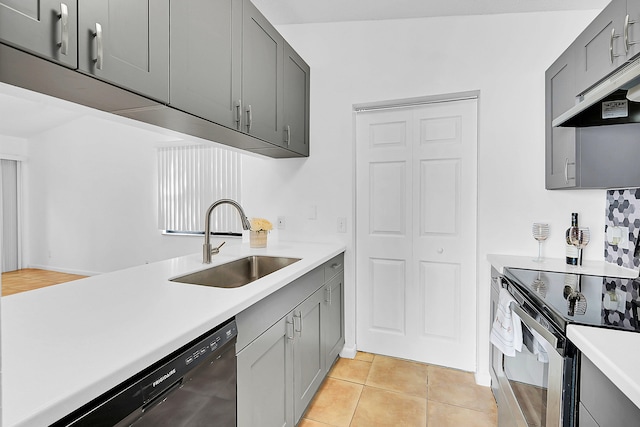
9, 214
416, 174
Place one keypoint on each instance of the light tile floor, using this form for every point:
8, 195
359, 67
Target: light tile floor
378, 391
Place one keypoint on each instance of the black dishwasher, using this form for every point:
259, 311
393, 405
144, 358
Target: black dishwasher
194, 386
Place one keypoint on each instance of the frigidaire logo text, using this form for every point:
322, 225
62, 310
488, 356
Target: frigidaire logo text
164, 377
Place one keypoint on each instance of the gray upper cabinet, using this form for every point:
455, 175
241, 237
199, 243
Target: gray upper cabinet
296, 86
600, 47
206, 47
262, 64
560, 143
46, 28
631, 29
126, 42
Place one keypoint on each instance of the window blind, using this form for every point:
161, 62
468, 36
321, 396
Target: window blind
190, 179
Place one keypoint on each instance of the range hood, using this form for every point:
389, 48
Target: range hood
615, 100
30, 72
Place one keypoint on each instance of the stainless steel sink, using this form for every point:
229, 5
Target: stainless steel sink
237, 273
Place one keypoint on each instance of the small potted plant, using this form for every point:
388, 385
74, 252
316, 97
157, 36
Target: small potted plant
258, 234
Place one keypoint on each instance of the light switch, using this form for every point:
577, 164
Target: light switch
342, 224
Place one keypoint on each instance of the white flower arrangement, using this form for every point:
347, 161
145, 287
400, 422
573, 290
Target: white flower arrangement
260, 224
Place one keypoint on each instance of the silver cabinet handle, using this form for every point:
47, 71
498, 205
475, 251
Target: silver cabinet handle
289, 328
64, 28
99, 46
330, 295
249, 118
287, 132
627, 43
299, 317
566, 169
336, 266
614, 36
239, 114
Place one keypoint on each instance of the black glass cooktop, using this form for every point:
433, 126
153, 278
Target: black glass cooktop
610, 302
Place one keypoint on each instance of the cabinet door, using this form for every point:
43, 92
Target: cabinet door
606, 404
333, 319
296, 101
308, 351
560, 143
265, 380
600, 48
206, 51
262, 62
631, 29
46, 28
126, 42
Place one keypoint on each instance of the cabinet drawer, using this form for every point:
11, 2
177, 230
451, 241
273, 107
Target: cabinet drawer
262, 315
333, 267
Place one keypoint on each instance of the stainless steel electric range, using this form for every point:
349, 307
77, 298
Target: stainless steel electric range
537, 386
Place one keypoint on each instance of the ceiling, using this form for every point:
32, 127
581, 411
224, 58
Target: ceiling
313, 11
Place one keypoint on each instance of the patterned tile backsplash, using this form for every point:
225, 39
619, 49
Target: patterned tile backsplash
623, 210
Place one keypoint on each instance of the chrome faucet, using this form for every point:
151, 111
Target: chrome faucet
207, 250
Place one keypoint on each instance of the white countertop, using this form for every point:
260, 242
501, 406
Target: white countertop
613, 352
596, 268
64, 345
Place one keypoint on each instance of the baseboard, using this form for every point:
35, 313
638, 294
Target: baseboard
348, 352
483, 378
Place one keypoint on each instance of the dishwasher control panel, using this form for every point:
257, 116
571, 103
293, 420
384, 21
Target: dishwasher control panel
192, 355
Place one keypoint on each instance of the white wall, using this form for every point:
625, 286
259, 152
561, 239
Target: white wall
91, 199
502, 56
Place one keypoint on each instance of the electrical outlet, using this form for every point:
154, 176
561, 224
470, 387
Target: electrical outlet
342, 224
281, 223
619, 236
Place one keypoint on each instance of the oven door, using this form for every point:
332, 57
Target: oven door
531, 382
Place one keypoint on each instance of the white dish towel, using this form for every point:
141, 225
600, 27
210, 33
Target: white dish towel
506, 332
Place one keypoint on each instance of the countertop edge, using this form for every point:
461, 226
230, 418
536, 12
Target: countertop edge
597, 268
603, 348
45, 413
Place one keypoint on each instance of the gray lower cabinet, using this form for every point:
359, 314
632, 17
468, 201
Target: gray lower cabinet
296, 87
286, 345
602, 404
265, 379
126, 42
46, 28
206, 60
308, 350
262, 64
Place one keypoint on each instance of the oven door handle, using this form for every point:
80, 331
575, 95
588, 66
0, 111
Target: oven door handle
531, 323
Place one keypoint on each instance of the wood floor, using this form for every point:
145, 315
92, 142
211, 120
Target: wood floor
374, 390
27, 279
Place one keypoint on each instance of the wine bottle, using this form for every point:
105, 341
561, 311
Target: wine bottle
572, 251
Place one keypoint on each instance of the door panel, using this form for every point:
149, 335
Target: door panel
265, 382
415, 233
388, 198
296, 101
134, 45
440, 288
262, 62
36, 26
387, 296
206, 49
